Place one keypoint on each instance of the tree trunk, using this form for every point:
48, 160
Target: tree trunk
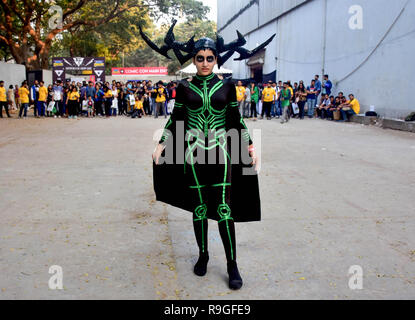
33, 60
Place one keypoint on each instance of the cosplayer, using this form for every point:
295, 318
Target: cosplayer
225, 188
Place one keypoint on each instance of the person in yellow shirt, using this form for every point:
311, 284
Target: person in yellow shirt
139, 103
240, 91
72, 101
41, 102
107, 100
24, 99
350, 108
3, 100
268, 98
240, 96
160, 99
138, 111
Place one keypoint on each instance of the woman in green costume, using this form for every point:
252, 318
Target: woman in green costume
210, 182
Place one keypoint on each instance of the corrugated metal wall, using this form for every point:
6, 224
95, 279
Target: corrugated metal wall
383, 81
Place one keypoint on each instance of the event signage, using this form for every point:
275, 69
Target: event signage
140, 71
82, 65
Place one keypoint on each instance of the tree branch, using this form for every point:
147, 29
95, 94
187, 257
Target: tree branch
4, 39
68, 12
13, 7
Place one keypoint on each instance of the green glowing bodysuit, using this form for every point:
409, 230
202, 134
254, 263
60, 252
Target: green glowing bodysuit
208, 108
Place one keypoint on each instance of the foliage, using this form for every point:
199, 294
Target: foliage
25, 28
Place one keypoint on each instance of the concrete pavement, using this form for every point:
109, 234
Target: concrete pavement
78, 194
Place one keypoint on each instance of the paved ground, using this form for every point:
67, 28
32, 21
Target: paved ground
78, 194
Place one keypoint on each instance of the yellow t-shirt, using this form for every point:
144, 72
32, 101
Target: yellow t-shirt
160, 96
292, 91
108, 94
268, 94
23, 95
138, 104
73, 95
43, 94
355, 105
240, 93
3, 94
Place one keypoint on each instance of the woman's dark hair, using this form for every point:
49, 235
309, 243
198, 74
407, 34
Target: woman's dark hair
301, 87
11, 87
215, 53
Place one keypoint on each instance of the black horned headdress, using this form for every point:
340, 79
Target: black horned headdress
184, 51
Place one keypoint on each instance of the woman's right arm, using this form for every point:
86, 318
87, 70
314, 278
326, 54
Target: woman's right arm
170, 128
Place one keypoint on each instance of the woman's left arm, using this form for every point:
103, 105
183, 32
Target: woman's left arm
235, 121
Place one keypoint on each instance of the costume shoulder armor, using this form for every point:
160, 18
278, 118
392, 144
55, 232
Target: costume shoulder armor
228, 82
184, 83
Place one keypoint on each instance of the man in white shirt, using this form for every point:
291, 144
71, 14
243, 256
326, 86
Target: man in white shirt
58, 98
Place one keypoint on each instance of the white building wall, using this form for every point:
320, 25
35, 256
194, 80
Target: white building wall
229, 9
12, 74
383, 81
245, 22
270, 9
300, 43
47, 77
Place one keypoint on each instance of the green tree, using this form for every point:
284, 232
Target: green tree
5, 52
25, 27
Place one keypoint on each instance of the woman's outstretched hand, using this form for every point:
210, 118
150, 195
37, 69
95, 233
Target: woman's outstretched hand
254, 157
157, 153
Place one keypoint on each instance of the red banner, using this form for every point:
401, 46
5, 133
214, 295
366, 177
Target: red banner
140, 71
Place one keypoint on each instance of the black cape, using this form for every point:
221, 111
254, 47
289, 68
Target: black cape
171, 187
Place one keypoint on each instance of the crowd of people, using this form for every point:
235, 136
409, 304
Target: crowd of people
137, 99
72, 100
286, 100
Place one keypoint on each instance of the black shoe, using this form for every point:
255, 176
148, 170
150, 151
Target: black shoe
200, 268
235, 280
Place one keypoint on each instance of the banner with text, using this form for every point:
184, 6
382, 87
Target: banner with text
142, 71
78, 65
